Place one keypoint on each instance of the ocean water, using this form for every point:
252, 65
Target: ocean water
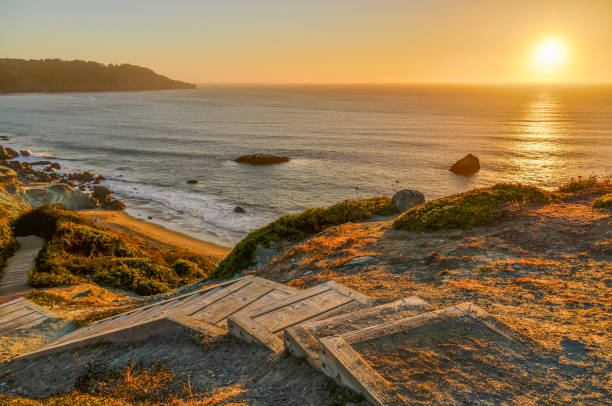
344, 142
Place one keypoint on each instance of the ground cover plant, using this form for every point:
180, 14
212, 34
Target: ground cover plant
478, 207
296, 227
76, 250
603, 202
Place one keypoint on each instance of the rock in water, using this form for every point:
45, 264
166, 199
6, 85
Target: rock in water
405, 199
100, 192
261, 159
192, 182
25, 153
468, 165
7, 153
239, 209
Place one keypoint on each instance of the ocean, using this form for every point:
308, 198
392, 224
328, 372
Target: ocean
345, 142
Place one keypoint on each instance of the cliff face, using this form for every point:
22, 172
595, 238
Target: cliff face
55, 75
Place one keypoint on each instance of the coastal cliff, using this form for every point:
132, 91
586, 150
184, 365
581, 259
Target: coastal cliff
55, 75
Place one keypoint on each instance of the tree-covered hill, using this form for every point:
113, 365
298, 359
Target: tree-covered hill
55, 75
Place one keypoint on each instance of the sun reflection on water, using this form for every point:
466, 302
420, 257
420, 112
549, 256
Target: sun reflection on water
539, 148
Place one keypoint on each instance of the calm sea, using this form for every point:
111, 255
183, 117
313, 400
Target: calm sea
344, 143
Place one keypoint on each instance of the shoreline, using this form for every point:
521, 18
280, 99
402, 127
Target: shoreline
153, 233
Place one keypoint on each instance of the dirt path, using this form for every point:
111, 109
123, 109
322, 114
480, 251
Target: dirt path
15, 279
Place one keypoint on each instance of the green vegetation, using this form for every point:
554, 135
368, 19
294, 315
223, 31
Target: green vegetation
55, 75
76, 250
89, 318
592, 184
8, 244
296, 227
603, 202
476, 207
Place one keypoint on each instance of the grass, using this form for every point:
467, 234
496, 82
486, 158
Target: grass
296, 227
8, 244
603, 202
98, 315
476, 207
76, 250
592, 184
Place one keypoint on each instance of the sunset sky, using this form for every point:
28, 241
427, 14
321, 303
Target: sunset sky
323, 41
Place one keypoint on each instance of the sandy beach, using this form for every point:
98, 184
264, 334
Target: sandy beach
153, 233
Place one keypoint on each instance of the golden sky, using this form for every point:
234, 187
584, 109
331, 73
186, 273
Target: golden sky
323, 41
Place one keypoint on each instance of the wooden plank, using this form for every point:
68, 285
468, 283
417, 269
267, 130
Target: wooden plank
21, 321
15, 315
341, 363
213, 297
302, 340
231, 304
12, 302
247, 330
293, 299
266, 300
12, 308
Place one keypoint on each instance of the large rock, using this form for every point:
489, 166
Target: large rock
7, 175
7, 153
100, 192
82, 177
468, 165
261, 159
113, 204
63, 194
405, 199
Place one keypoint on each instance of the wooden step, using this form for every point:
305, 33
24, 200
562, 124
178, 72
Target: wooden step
204, 311
390, 362
267, 324
303, 340
16, 271
21, 313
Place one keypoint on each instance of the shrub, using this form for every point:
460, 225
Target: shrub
75, 250
8, 244
477, 207
603, 202
296, 227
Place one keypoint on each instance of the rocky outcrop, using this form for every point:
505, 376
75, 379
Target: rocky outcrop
113, 204
8, 153
82, 177
468, 165
192, 182
261, 159
7, 175
406, 199
101, 192
25, 153
239, 209
60, 193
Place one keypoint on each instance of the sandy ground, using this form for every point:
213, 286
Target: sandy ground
153, 233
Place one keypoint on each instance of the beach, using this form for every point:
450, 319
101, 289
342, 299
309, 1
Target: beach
153, 233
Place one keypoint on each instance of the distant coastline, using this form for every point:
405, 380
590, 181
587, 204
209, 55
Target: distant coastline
55, 76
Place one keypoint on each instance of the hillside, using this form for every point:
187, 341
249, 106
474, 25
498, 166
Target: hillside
55, 75
537, 260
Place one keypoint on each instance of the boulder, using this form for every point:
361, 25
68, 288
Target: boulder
7, 153
56, 166
7, 175
101, 192
468, 165
41, 163
82, 177
192, 182
239, 209
261, 159
405, 199
113, 204
25, 153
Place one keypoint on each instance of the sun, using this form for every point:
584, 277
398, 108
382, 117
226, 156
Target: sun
550, 54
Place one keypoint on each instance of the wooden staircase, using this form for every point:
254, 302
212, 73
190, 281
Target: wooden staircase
333, 327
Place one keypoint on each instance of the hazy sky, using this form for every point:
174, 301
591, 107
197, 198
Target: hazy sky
310, 41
